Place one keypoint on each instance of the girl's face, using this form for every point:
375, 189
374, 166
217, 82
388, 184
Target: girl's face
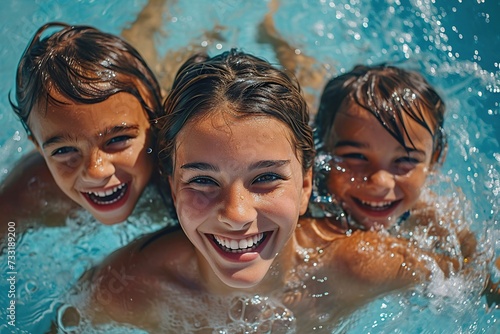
238, 188
373, 176
97, 153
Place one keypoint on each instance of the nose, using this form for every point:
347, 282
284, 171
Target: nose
237, 208
382, 180
99, 166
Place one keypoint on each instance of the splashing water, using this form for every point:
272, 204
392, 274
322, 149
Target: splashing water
453, 43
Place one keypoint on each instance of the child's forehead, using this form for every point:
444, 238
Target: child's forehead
387, 109
119, 105
237, 141
121, 112
90, 84
350, 110
351, 114
228, 121
233, 128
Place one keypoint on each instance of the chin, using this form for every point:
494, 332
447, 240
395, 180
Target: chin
112, 220
242, 281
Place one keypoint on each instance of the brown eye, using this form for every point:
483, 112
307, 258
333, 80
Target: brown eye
355, 156
408, 160
405, 164
203, 181
268, 177
63, 150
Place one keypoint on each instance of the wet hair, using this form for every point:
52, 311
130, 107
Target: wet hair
84, 65
251, 87
388, 93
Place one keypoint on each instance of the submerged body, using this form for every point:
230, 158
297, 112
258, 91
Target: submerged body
237, 151
381, 129
320, 276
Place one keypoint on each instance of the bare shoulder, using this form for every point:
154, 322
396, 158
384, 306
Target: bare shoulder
363, 264
30, 192
127, 285
375, 258
317, 232
370, 257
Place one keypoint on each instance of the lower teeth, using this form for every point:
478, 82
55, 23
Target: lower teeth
110, 202
119, 194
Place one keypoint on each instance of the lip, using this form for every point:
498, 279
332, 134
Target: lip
376, 209
108, 199
240, 255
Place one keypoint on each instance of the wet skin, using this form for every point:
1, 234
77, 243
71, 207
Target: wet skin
374, 177
238, 187
97, 153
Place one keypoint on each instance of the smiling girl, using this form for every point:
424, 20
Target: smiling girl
237, 149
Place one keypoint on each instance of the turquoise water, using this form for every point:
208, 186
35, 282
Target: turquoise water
454, 43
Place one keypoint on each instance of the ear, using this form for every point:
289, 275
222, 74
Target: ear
306, 190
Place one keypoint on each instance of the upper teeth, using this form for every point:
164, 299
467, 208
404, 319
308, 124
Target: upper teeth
239, 244
377, 204
107, 192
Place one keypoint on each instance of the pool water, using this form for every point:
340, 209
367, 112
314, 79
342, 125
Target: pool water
455, 44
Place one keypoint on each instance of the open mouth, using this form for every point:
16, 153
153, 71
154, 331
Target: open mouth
109, 196
381, 207
239, 246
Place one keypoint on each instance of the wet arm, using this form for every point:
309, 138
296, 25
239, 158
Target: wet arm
141, 34
311, 74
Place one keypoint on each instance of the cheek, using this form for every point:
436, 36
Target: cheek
417, 177
194, 205
338, 183
413, 184
138, 151
136, 158
65, 178
146, 161
64, 170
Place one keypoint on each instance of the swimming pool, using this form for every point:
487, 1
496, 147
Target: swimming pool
454, 43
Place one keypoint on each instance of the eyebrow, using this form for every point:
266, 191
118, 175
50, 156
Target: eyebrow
113, 130
356, 144
268, 164
352, 143
119, 129
202, 166
414, 150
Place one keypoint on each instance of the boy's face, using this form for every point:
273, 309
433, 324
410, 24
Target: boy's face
238, 188
373, 176
97, 153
